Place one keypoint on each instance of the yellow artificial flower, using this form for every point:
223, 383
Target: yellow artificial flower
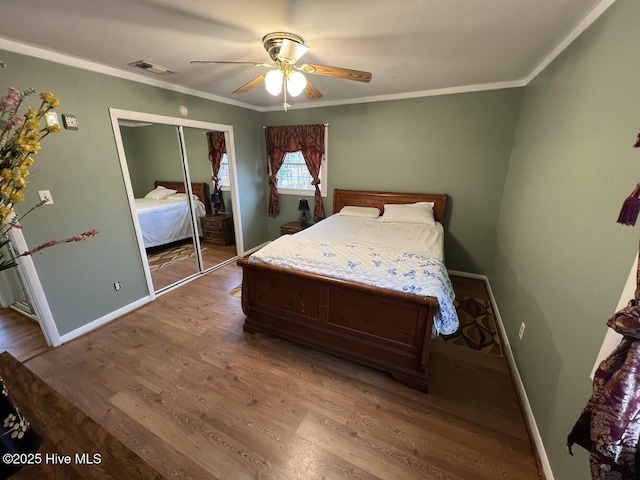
50, 98
27, 162
29, 146
20, 182
7, 174
5, 210
17, 197
53, 128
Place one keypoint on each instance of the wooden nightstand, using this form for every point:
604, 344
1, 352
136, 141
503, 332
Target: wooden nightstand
218, 229
292, 227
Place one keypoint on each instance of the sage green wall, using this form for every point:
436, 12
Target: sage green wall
82, 170
561, 260
454, 144
153, 153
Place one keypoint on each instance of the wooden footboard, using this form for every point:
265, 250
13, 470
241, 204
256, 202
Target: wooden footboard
380, 328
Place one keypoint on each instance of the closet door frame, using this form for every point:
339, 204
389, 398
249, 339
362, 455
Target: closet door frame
117, 115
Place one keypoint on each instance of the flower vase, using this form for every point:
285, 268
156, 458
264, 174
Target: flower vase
17, 437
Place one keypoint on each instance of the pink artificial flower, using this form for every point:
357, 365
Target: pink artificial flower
11, 100
16, 121
48, 244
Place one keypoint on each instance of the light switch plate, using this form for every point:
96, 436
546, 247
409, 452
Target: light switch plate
51, 119
45, 196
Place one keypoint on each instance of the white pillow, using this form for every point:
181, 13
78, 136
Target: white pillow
363, 212
160, 193
428, 204
408, 213
182, 196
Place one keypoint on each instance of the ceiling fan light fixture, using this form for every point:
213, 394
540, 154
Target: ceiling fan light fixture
291, 51
273, 82
296, 83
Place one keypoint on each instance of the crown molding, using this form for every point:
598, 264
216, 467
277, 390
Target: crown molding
569, 39
407, 95
63, 59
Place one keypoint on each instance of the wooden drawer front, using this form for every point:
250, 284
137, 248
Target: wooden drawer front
218, 238
288, 231
385, 320
217, 223
218, 229
291, 295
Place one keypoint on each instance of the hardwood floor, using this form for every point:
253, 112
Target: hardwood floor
22, 337
181, 384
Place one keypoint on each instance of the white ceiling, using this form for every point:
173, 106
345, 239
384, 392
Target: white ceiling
412, 47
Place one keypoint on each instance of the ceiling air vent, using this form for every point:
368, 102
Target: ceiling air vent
150, 67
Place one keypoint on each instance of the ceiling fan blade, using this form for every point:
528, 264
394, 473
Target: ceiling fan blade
250, 84
338, 72
290, 52
311, 92
233, 63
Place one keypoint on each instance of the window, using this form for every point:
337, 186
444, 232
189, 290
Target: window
224, 181
294, 177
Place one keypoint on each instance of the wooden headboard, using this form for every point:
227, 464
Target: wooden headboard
200, 190
362, 198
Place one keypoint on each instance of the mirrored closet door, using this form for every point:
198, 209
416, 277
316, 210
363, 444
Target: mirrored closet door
157, 176
182, 229
217, 232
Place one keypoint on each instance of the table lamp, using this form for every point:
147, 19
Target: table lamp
303, 206
216, 200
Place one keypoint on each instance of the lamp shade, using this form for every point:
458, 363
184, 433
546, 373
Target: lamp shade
216, 197
273, 82
296, 83
303, 205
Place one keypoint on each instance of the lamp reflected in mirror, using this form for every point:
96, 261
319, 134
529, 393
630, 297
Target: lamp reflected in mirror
217, 201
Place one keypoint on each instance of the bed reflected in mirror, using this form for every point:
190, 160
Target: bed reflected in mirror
164, 214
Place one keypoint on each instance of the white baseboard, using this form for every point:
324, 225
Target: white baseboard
83, 330
522, 393
255, 249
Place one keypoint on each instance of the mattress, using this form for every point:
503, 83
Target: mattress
396, 256
166, 221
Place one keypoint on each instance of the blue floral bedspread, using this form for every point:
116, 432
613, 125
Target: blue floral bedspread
407, 272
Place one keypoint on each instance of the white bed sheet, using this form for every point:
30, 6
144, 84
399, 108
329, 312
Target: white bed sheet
166, 221
371, 232
401, 257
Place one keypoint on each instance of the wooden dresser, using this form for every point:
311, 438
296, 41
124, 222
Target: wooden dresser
290, 228
67, 431
218, 229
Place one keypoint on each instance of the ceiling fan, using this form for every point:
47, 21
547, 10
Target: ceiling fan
285, 49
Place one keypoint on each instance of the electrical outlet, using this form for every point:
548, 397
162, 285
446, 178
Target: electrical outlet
521, 331
117, 286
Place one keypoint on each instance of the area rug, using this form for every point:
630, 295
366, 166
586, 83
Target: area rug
477, 326
172, 255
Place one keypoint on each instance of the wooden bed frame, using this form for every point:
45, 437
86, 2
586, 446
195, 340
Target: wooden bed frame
200, 190
381, 328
